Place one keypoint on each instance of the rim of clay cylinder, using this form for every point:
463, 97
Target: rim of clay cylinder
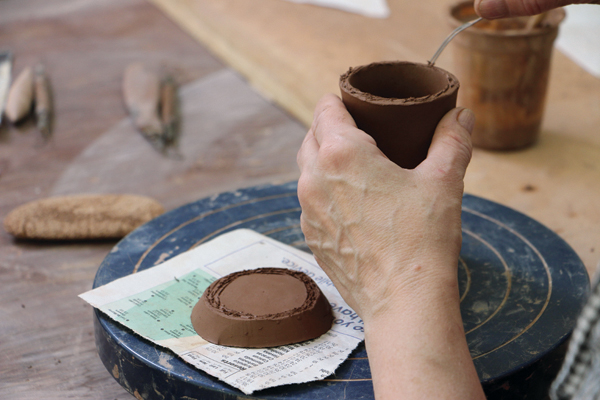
398, 83
556, 16
215, 290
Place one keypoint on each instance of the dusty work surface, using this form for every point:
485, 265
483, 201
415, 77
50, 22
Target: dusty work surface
294, 53
231, 138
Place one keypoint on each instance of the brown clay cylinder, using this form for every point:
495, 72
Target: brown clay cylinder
141, 92
399, 104
20, 96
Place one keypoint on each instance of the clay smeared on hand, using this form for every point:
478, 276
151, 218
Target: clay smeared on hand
264, 307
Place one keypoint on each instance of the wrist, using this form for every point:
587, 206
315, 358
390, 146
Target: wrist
419, 340
419, 288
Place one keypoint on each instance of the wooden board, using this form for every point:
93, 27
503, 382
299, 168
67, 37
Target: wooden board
47, 348
47, 344
230, 137
294, 53
521, 289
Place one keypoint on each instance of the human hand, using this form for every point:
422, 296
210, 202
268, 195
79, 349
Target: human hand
389, 239
379, 231
493, 9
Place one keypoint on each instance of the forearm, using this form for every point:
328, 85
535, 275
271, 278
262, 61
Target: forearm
418, 350
389, 239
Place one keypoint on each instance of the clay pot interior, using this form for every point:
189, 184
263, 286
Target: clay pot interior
398, 80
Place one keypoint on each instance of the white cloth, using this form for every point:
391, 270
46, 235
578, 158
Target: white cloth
579, 36
369, 8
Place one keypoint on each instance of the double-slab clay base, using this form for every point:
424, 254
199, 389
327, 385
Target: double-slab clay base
264, 307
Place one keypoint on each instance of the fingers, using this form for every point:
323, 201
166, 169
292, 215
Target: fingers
450, 150
328, 107
331, 118
493, 9
307, 155
334, 126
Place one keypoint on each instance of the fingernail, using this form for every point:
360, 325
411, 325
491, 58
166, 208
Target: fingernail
466, 119
492, 9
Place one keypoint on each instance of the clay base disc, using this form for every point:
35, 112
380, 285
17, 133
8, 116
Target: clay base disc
264, 307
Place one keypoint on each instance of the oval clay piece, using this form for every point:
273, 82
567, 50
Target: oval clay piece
76, 217
399, 104
264, 307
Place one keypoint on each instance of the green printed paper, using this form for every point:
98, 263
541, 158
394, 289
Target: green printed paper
162, 312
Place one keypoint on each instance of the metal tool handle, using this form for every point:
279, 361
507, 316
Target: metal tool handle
450, 37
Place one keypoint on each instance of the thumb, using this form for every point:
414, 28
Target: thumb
451, 148
492, 9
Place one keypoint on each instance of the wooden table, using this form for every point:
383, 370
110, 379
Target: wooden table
231, 138
295, 53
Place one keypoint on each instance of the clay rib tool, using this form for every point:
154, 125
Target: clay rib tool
450, 37
5, 67
43, 101
141, 92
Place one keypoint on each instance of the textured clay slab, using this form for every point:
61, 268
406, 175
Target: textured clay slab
99, 216
264, 307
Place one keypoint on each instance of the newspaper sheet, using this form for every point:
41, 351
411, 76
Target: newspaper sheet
157, 304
